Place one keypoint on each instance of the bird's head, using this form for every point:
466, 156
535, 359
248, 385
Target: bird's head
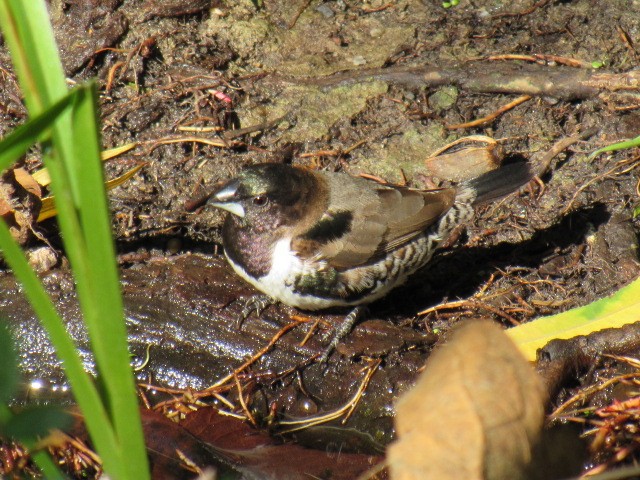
268, 195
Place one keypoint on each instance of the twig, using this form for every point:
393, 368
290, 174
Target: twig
496, 311
363, 386
256, 356
542, 59
542, 165
230, 134
376, 9
302, 8
624, 36
163, 141
243, 404
310, 332
491, 117
595, 179
444, 306
348, 407
589, 391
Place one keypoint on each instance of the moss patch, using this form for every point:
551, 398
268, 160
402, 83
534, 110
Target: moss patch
405, 153
313, 110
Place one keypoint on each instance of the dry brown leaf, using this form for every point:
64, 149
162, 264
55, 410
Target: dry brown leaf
48, 207
476, 412
27, 181
42, 176
5, 207
18, 205
465, 158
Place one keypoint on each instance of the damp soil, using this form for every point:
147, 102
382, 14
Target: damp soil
204, 87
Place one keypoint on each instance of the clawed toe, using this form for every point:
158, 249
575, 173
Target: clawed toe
255, 303
342, 331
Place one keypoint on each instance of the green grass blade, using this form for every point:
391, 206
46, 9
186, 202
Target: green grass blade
107, 310
634, 142
34, 422
9, 378
77, 184
33, 49
30, 39
620, 309
16, 144
83, 387
9, 375
47, 466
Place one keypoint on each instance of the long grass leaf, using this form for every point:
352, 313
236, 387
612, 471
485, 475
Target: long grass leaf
620, 309
16, 144
75, 170
82, 385
107, 323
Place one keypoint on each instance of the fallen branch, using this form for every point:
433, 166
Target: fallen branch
490, 77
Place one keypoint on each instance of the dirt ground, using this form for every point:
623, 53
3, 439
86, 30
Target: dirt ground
205, 87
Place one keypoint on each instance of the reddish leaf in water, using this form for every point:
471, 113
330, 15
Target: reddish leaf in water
258, 455
228, 444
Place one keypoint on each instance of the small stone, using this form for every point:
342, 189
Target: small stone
359, 60
443, 98
325, 10
42, 259
174, 245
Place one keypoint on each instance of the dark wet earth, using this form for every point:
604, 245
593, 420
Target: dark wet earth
182, 315
343, 86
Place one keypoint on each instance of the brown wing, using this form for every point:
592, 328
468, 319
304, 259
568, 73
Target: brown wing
412, 211
365, 220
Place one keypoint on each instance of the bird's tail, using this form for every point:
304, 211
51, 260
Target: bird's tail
500, 182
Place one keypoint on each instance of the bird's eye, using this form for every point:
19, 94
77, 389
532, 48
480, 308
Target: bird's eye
260, 200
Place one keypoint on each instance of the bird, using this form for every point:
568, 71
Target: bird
316, 240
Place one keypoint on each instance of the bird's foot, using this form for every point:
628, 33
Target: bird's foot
255, 303
342, 331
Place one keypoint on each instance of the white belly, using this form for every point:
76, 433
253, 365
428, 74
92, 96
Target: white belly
286, 267
278, 282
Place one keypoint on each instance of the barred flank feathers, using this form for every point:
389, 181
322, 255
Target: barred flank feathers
500, 182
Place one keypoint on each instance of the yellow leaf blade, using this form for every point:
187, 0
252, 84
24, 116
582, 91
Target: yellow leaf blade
48, 206
42, 176
622, 308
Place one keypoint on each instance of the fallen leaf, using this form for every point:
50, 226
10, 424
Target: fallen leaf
476, 412
18, 203
48, 207
27, 181
615, 311
42, 175
257, 455
5, 208
465, 158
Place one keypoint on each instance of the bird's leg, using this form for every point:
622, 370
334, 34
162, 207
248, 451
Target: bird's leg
256, 303
343, 330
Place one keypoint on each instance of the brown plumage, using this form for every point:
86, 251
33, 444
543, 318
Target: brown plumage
316, 240
381, 218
